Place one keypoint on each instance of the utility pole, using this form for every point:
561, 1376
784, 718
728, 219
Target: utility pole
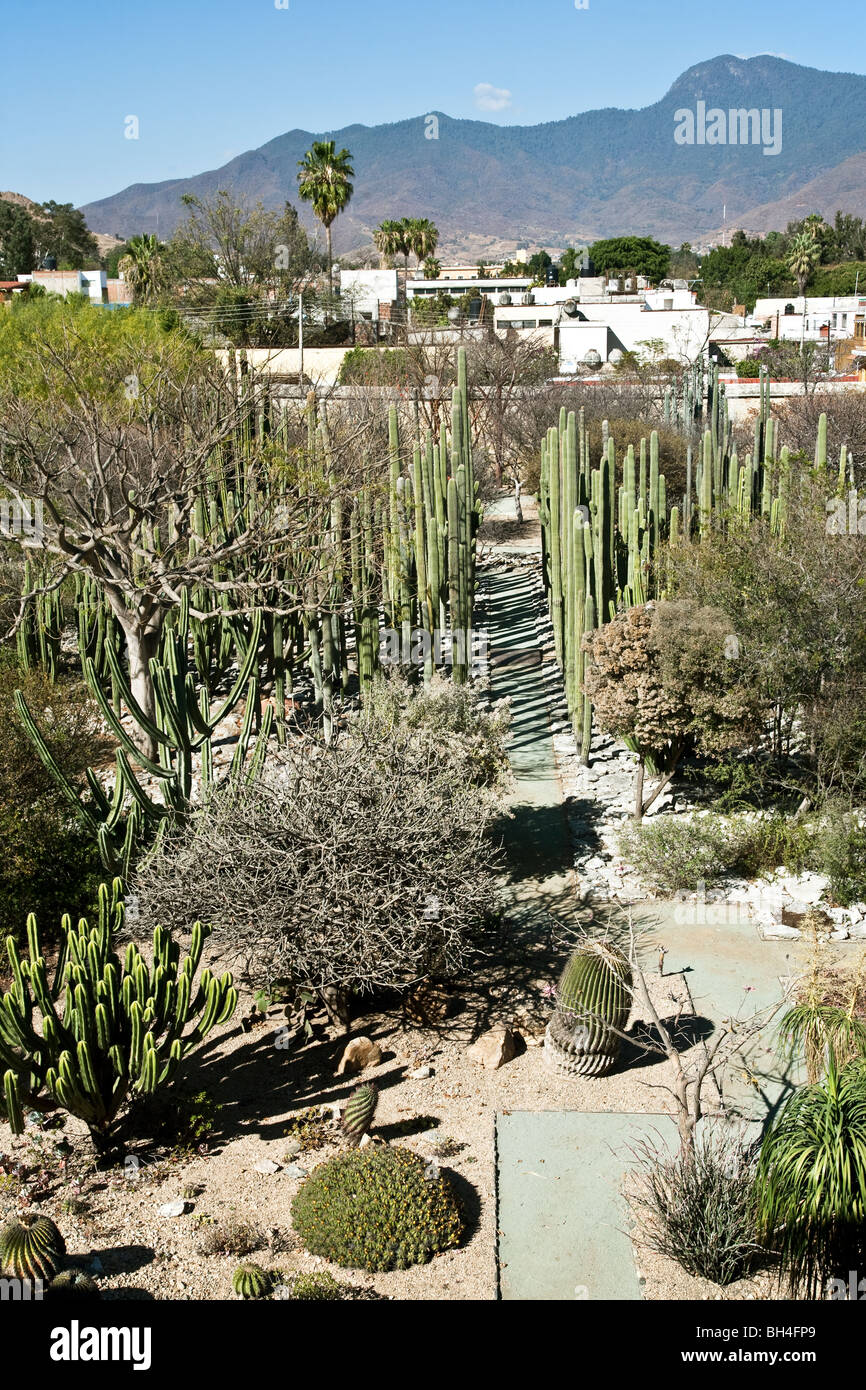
301, 336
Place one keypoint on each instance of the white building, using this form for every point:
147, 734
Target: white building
367, 289
811, 318
93, 283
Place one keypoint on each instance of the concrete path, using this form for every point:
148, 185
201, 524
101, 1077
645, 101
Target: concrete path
562, 1220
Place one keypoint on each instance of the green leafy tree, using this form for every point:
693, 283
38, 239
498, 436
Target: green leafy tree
324, 181
631, 255
17, 242
62, 233
142, 267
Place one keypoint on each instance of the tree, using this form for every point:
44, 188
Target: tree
659, 676
324, 182
243, 246
802, 259
423, 237
432, 268
388, 238
631, 254
115, 427
17, 253
62, 233
569, 265
142, 267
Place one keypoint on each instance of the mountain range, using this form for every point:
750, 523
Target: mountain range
600, 173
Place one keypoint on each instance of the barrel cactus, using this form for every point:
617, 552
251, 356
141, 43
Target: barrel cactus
359, 1112
31, 1247
251, 1281
73, 1283
593, 999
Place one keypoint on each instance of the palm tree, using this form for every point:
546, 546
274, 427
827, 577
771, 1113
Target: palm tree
324, 180
802, 259
388, 239
423, 237
141, 266
432, 268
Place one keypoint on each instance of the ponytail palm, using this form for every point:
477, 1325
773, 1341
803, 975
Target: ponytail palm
811, 1180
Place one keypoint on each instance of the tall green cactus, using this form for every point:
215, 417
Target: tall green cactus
593, 1001
108, 1028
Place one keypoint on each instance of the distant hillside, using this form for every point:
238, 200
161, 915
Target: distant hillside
596, 174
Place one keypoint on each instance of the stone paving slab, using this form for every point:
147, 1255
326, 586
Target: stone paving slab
562, 1220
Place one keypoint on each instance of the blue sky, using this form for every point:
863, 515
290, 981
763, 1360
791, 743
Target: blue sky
208, 79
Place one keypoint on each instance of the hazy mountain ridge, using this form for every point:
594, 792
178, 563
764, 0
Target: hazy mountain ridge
598, 173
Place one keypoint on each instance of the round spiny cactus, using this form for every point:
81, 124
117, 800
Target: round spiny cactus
31, 1247
251, 1281
593, 1000
73, 1283
359, 1112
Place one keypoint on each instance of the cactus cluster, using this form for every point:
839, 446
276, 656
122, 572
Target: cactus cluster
31, 1247
378, 1208
108, 1028
593, 1000
606, 527
73, 1284
399, 551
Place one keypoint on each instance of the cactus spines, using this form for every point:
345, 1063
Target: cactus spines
593, 1000
31, 1247
359, 1112
75, 1284
251, 1281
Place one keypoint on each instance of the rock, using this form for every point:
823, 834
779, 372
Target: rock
494, 1048
419, 1074
176, 1208
774, 931
293, 1148
359, 1054
266, 1166
294, 1170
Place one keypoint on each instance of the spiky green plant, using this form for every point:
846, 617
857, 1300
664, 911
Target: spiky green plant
811, 1180
593, 1000
121, 1028
359, 1112
73, 1284
31, 1247
251, 1281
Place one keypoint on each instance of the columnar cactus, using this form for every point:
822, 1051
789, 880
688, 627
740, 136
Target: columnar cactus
593, 1000
359, 1112
31, 1247
122, 1028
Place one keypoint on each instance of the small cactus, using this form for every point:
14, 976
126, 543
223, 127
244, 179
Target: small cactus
73, 1283
31, 1247
593, 1000
251, 1281
359, 1112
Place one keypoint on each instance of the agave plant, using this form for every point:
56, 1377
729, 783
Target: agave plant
811, 1179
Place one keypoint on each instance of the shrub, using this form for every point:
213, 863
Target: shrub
811, 1179
234, 1236
50, 863
673, 853
377, 1209
678, 853
701, 1210
841, 855
317, 1287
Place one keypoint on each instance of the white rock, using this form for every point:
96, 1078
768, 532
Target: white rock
267, 1165
175, 1208
419, 1074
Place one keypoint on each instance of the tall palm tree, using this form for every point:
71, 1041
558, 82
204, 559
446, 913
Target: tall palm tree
802, 259
424, 237
141, 266
388, 239
324, 180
